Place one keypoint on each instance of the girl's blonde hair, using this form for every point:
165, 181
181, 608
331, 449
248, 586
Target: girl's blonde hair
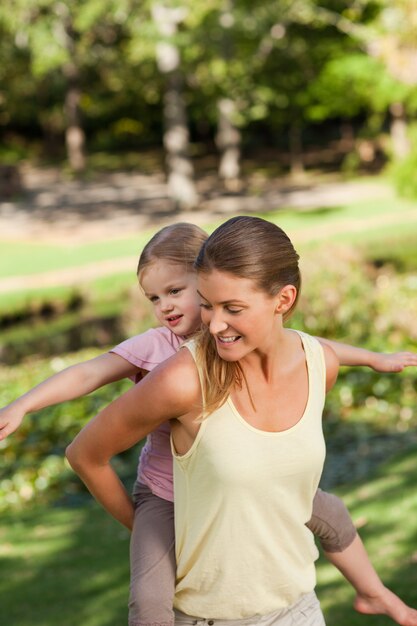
246, 247
179, 243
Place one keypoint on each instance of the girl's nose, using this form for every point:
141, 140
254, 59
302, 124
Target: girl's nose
166, 305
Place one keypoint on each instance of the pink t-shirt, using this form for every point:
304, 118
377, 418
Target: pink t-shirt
155, 463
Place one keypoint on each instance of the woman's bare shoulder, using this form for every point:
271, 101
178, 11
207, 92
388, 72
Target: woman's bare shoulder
178, 378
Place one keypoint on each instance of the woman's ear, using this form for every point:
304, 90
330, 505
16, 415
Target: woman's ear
285, 299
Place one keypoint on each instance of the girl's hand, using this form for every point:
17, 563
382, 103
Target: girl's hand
394, 362
10, 419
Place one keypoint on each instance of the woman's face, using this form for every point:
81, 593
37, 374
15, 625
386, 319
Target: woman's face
240, 316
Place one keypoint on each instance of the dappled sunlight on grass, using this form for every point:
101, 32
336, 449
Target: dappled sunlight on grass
385, 507
74, 561
66, 566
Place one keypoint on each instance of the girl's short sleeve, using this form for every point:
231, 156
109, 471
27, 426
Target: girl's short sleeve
148, 349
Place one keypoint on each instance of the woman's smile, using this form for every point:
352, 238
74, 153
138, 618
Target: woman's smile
227, 339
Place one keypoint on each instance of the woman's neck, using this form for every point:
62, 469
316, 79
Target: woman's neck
270, 361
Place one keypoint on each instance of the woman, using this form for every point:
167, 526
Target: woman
245, 402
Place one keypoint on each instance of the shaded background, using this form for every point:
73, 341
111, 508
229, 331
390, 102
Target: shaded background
119, 117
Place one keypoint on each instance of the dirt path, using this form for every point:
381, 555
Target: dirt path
54, 209
124, 204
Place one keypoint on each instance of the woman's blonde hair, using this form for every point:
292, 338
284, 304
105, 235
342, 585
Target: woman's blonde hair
178, 243
251, 248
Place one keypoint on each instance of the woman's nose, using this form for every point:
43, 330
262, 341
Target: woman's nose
217, 324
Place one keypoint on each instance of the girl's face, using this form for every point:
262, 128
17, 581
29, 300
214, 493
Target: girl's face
172, 291
240, 317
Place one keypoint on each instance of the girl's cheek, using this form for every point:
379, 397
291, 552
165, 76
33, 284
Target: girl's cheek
157, 313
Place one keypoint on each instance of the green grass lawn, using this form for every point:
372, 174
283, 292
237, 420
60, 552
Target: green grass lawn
26, 258
63, 567
69, 566
33, 257
307, 228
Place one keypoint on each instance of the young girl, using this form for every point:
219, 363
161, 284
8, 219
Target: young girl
167, 276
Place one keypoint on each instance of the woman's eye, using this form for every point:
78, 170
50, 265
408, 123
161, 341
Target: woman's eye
205, 306
234, 311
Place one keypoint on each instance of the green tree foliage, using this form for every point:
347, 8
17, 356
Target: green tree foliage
281, 64
72, 50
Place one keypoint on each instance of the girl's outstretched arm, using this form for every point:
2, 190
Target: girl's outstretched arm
171, 391
332, 366
73, 382
378, 361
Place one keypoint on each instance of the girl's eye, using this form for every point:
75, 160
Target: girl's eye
153, 299
174, 292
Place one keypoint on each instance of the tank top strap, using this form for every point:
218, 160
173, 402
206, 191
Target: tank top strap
191, 346
316, 363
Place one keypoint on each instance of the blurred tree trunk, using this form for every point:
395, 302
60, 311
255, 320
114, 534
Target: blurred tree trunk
347, 134
400, 142
228, 138
176, 135
296, 150
396, 48
74, 133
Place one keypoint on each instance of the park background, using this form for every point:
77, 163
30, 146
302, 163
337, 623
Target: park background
119, 117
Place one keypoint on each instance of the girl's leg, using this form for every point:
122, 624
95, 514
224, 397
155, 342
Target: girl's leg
332, 524
152, 561
372, 597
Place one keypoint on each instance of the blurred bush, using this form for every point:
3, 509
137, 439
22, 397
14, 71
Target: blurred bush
403, 171
348, 296
404, 175
32, 463
368, 415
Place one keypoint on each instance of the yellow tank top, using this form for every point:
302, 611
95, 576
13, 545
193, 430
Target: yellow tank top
243, 497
